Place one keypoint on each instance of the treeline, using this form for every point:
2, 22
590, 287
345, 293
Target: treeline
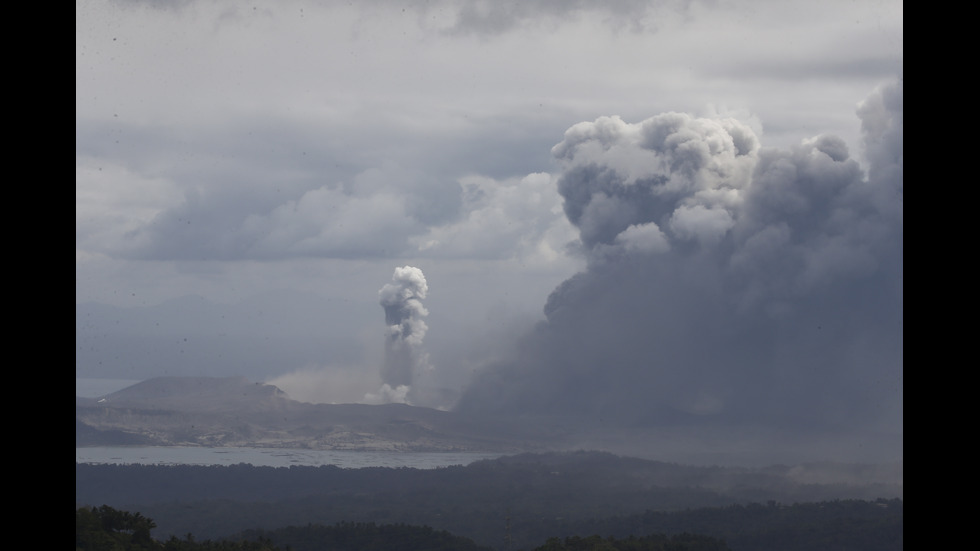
346, 537
625, 484
524, 500
107, 529
840, 525
364, 536
856, 525
657, 542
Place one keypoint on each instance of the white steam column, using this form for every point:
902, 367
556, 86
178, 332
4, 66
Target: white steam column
404, 356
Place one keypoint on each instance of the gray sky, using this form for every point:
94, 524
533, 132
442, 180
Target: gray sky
249, 177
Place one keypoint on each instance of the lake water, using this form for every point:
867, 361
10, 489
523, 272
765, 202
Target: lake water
272, 457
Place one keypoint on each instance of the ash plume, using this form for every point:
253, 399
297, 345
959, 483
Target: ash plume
405, 358
726, 284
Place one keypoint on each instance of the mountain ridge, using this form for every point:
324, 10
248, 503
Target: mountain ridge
232, 411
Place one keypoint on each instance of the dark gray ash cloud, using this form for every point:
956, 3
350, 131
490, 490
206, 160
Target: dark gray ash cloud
727, 283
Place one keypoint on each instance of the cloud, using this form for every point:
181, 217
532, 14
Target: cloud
706, 225
517, 218
727, 283
326, 385
674, 171
252, 116
487, 18
112, 201
331, 223
389, 395
384, 212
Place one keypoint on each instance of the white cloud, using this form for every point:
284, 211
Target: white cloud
707, 225
510, 219
326, 385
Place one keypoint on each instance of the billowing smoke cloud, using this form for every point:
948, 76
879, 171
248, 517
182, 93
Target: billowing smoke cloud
726, 283
405, 358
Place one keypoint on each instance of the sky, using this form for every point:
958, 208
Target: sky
641, 211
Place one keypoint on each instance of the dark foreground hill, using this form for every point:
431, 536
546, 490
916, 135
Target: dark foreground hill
108, 529
105, 528
528, 498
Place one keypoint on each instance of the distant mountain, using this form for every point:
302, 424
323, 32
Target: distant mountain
199, 394
232, 411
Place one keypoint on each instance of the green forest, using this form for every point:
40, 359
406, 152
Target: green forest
107, 529
527, 502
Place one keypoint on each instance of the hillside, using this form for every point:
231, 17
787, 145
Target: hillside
203, 411
538, 495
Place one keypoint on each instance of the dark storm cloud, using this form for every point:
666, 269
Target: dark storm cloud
726, 283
